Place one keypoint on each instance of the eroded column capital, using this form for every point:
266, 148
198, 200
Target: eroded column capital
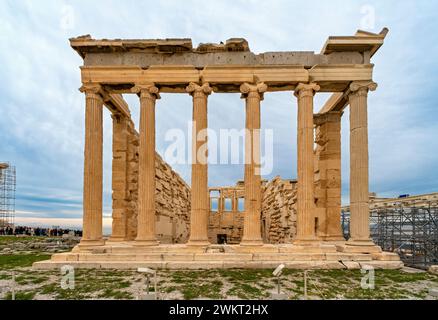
92, 90
306, 89
253, 89
146, 90
199, 91
362, 87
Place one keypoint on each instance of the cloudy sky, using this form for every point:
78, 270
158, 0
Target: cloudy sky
42, 112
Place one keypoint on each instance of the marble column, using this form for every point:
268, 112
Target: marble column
146, 170
93, 168
199, 191
359, 193
305, 165
253, 94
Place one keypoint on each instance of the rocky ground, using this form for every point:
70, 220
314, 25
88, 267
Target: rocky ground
18, 254
27, 244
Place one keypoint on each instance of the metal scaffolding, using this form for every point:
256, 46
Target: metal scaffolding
411, 230
7, 194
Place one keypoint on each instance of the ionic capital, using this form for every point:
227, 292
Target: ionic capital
253, 90
361, 88
92, 90
146, 90
199, 91
306, 90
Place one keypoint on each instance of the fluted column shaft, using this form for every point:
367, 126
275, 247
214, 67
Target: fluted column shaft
92, 197
253, 94
200, 204
359, 193
305, 164
146, 170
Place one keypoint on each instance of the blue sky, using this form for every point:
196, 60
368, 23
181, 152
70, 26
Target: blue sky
42, 112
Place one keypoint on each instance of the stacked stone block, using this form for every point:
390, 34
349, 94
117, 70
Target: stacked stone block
328, 175
279, 216
223, 222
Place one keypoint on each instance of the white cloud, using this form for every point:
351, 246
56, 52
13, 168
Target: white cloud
41, 122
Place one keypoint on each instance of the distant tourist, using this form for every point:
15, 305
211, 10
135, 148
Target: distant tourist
38, 231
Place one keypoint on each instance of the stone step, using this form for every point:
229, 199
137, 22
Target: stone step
382, 264
358, 249
48, 264
307, 249
174, 248
342, 256
139, 257
193, 257
181, 257
284, 257
223, 256
123, 257
387, 256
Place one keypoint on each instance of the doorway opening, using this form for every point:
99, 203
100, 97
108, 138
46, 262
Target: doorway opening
221, 238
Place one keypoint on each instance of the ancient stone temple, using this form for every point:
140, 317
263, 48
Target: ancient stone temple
161, 222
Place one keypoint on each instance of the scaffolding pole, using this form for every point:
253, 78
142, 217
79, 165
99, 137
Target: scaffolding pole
7, 194
409, 229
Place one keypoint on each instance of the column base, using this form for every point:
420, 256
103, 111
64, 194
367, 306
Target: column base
333, 238
91, 243
306, 240
359, 246
257, 242
198, 243
146, 242
360, 242
369, 249
116, 239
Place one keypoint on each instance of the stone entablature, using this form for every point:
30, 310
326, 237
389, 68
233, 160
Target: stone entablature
173, 63
235, 51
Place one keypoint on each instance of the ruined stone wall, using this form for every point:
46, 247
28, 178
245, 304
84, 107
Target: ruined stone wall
132, 199
279, 210
172, 204
328, 174
172, 196
227, 221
